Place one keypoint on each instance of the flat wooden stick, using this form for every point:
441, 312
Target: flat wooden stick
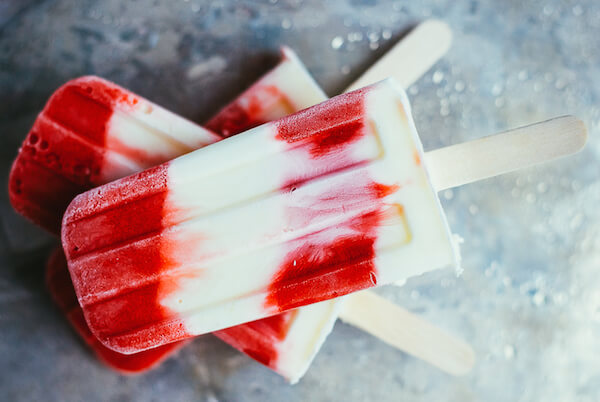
410, 58
505, 152
406, 331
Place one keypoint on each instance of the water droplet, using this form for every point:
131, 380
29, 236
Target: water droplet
473, 209
355, 36
386, 34
449, 194
438, 76
286, 23
509, 352
497, 89
542, 187
459, 86
374, 45
577, 10
345, 70
337, 42
415, 294
523, 75
560, 84
539, 298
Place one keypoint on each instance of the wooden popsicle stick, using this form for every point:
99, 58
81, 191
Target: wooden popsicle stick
505, 152
406, 331
410, 58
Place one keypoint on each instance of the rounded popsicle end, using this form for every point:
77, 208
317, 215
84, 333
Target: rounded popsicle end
579, 132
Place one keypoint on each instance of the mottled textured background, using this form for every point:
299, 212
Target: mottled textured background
529, 297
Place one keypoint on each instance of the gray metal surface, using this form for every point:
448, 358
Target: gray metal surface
529, 296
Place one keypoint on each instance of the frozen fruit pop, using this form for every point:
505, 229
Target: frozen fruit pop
90, 132
322, 203
59, 285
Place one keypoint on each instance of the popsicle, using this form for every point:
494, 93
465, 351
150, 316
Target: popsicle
90, 132
59, 285
319, 204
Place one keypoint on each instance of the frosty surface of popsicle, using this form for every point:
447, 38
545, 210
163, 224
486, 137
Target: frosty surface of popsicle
60, 287
331, 200
90, 132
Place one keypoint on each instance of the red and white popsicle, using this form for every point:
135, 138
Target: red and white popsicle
90, 132
323, 203
317, 205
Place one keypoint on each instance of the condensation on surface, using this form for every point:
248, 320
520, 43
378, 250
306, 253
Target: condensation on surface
528, 298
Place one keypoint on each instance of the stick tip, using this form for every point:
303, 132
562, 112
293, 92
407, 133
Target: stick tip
439, 30
467, 360
580, 132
